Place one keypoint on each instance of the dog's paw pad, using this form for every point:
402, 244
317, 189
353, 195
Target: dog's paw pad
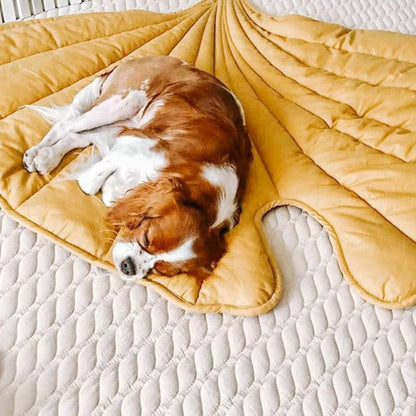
28, 157
42, 160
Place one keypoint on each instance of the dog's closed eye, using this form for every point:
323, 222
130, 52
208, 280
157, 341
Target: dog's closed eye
144, 240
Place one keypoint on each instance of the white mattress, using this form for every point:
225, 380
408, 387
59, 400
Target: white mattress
76, 341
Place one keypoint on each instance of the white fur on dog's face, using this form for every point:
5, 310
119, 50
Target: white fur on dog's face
143, 261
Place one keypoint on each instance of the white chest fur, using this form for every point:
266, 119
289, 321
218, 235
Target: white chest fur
136, 162
129, 162
135, 156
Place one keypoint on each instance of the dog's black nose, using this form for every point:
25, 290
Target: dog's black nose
127, 266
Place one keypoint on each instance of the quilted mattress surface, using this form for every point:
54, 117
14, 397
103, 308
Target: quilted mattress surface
74, 340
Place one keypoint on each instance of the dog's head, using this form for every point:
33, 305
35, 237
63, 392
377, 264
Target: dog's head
166, 225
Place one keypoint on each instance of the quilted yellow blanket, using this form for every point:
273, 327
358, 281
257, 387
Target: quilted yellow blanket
331, 113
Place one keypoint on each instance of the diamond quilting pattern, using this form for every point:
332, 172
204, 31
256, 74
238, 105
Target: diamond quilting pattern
77, 341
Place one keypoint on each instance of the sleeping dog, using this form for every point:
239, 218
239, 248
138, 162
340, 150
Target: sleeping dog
174, 165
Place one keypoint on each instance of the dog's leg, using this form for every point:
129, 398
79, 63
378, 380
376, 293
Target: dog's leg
115, 187
47, 158
82, 102
92, 179
114, 109
119, 171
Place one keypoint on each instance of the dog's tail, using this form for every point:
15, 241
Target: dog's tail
54, 114
83, 101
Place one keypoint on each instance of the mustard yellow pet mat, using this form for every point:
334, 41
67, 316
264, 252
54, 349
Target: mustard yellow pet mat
331, 112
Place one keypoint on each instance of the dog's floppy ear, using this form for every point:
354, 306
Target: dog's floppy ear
143, 201
191, 267
125, 215
130, 210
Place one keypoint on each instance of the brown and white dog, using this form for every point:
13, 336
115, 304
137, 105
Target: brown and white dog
174, 162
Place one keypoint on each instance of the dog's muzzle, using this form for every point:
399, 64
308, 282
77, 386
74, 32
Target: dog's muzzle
131, 260
127, 267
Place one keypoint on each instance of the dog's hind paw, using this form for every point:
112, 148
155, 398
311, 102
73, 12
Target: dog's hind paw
40, 159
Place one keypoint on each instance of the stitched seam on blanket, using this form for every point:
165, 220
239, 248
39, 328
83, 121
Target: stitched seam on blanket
358, 117
53, 179
80, 43
41, 22
310, 89
329, 46
313, 161
224, 34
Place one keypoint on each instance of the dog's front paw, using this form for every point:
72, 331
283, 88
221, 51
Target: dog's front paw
90, 181
40, 159
108, 197
112, 190
28, 157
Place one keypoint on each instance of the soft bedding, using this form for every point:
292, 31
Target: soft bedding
329, 111
73, 340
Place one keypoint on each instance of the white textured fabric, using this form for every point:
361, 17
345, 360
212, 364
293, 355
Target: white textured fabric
11, 10
75, 341
394, 15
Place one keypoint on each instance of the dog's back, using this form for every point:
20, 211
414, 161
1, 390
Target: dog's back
183, 102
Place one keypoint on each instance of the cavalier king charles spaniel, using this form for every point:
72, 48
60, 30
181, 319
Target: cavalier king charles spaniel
174, 160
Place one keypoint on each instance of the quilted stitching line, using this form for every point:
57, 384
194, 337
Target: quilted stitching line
342, 364
17, 284
320, 94
369, 386
381, 84
163, 24
232, 43
348, 31
75, 283
320, 167
92, 38
333, 128
264, 33
20, 254
375, 149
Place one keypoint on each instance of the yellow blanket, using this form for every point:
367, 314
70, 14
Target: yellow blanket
331, 112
